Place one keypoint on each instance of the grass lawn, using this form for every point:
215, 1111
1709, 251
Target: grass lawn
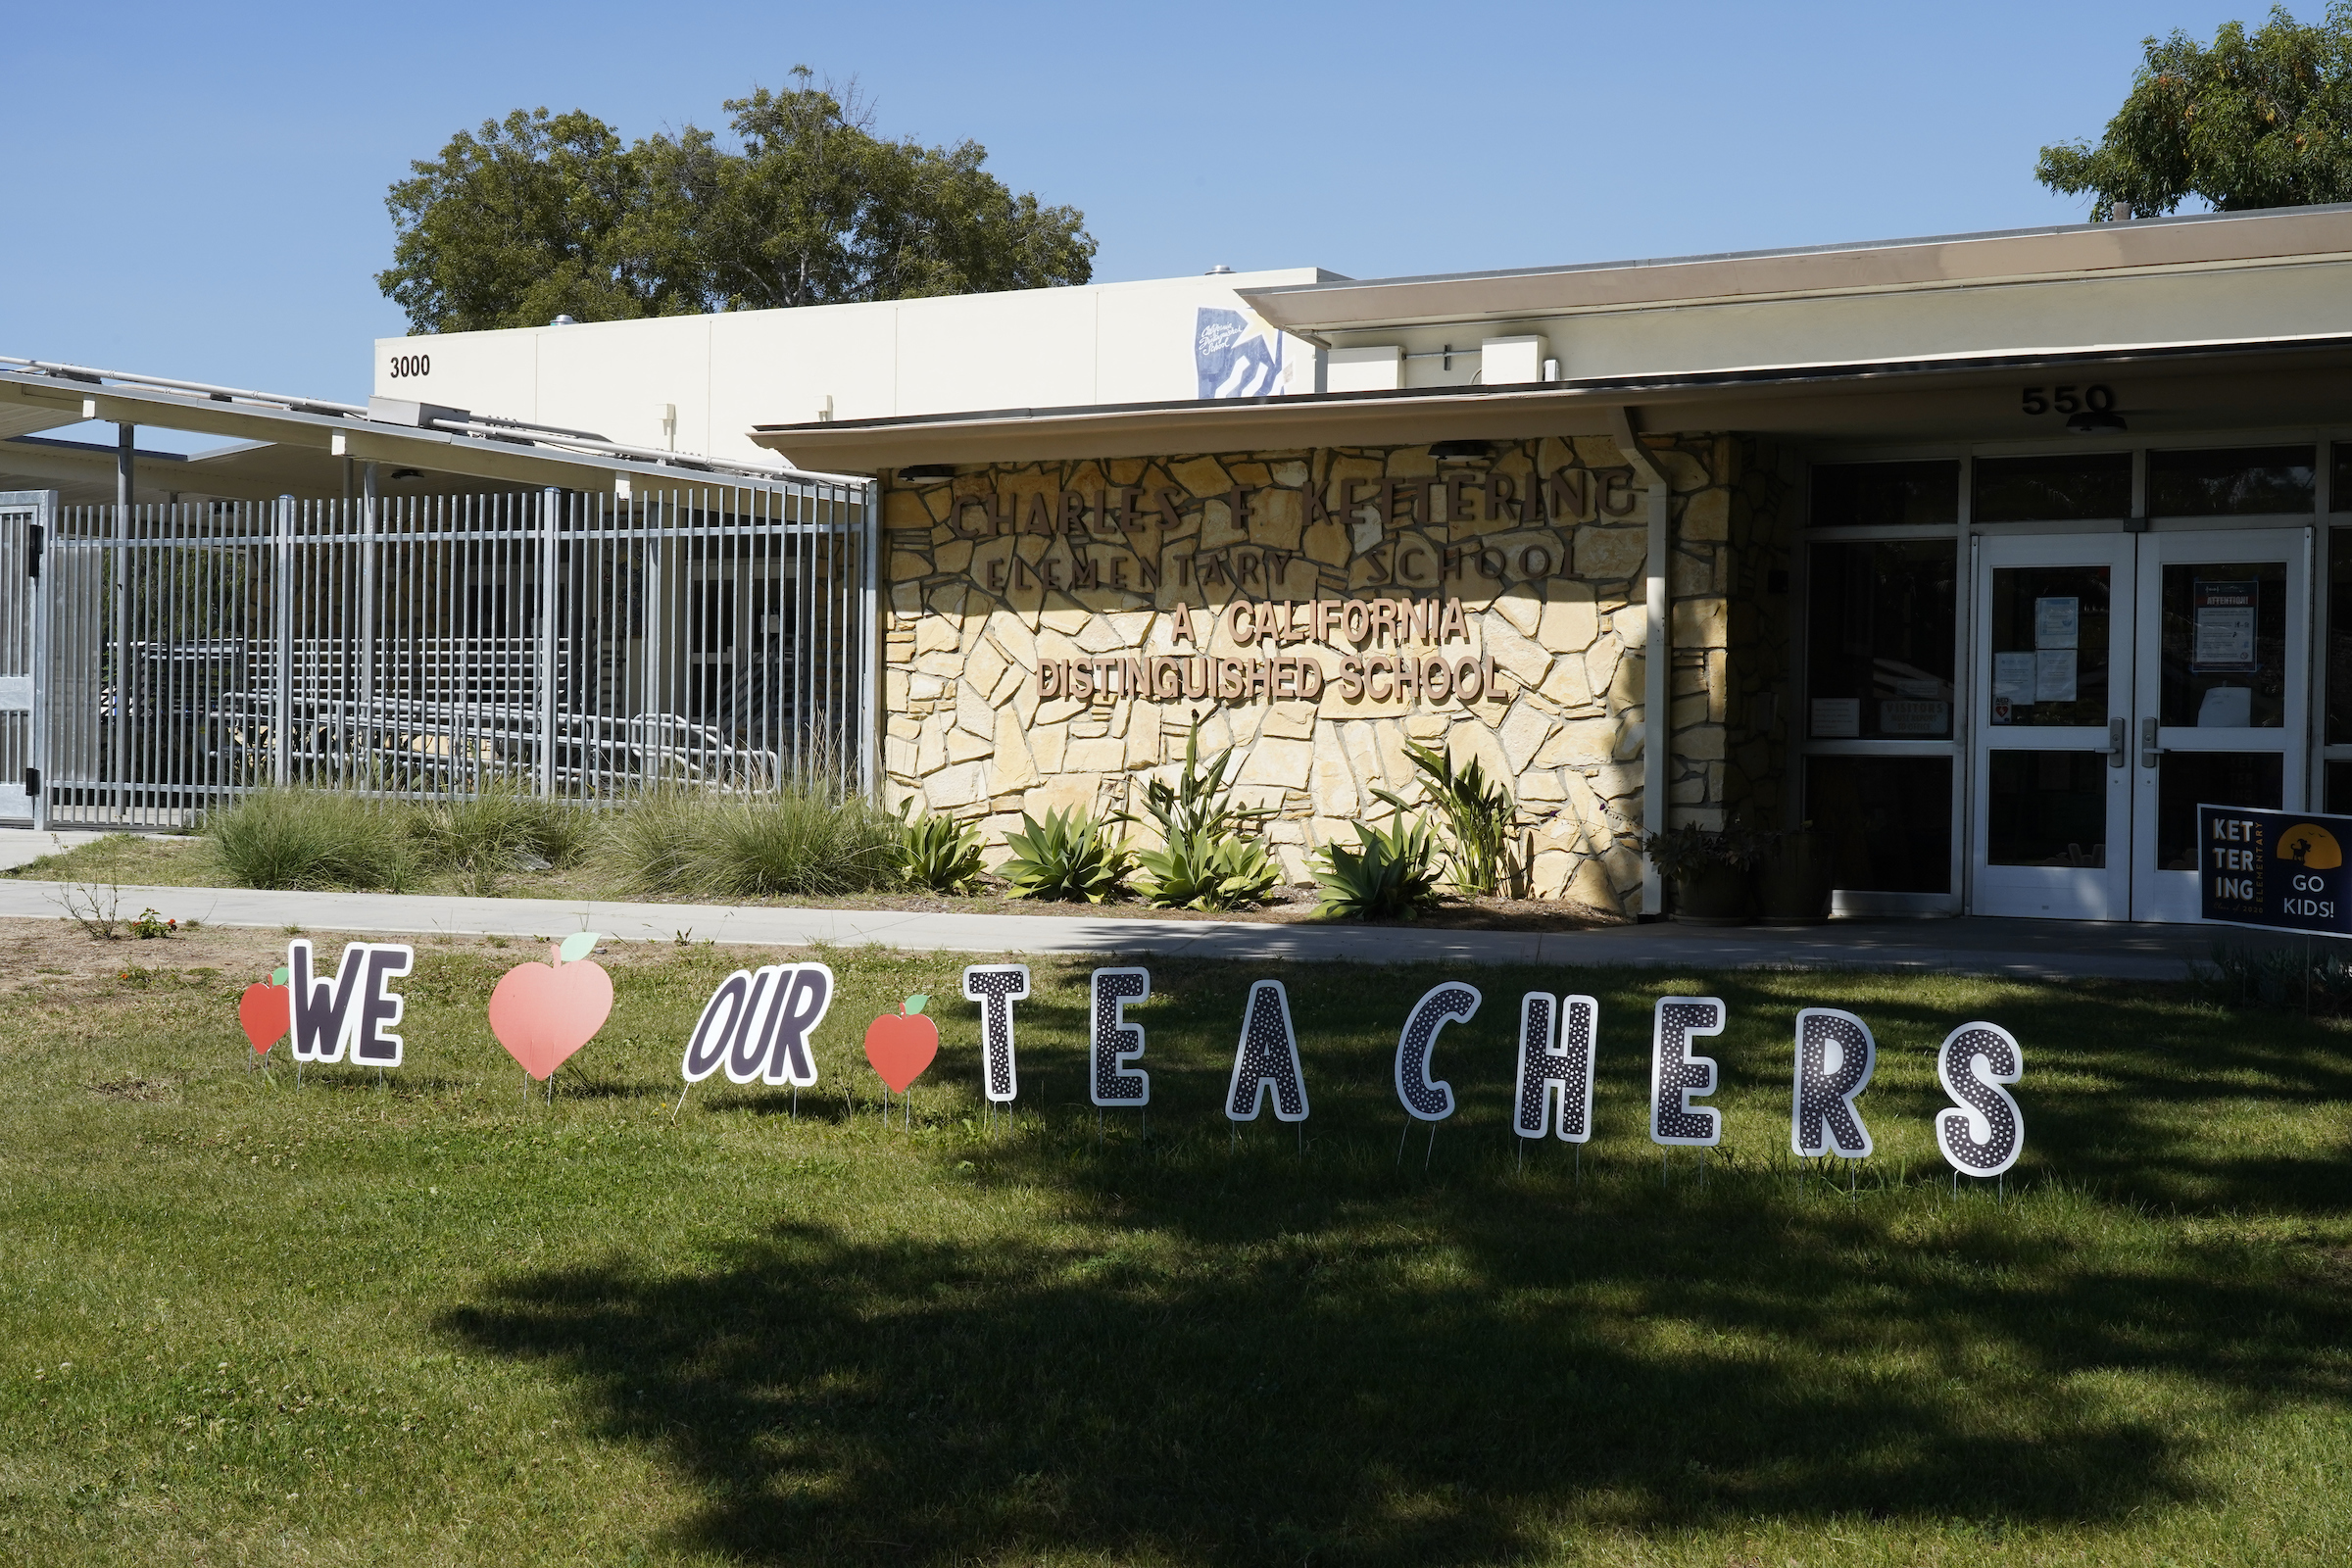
439, 1322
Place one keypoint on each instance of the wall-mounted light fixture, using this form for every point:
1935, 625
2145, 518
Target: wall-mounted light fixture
928, 470
1461, 451
2096, 422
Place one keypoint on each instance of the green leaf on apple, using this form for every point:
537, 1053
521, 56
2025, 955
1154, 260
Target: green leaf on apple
916, 1004
578, 946
279, 975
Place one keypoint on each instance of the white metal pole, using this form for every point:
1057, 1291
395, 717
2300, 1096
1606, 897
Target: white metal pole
36, 758
283, 766
551, 501
869, 642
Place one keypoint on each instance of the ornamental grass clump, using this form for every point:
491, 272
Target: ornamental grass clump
312, 838
808, 841
1210, 858
1071, 854
503, 830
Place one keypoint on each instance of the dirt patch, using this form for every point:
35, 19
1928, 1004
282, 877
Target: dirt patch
139, 1089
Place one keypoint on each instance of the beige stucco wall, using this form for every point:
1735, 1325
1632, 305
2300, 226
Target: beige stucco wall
1523, 571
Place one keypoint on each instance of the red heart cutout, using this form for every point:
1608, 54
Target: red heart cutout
267, 1012
901, 1045
542, 1014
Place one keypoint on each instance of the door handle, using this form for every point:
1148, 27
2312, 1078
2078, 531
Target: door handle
2147, 743
2119, 731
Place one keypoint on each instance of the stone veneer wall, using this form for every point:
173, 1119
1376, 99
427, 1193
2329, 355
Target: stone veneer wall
1005, 568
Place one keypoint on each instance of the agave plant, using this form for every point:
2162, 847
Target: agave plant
1481, 816
1208, 859
1390, 875
1193, 873
937, 852
1071, 854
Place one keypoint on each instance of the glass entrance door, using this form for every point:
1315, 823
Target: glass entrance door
2119, 681
2051, 815
2219, 695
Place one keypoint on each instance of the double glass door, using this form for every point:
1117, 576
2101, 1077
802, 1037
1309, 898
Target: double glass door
2120, 681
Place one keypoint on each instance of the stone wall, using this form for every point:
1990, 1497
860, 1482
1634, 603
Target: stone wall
1056, 630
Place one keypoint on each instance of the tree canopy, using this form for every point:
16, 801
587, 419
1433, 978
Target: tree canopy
544, 215
2254, 120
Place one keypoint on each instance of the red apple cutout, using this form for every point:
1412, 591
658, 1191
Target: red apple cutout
901, 1044
544, 1012
267, 1012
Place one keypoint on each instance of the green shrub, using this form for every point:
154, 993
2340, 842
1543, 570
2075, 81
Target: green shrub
1208, 859
307, 838
800, 841
1480, 818
1392, 875
1071, 854
937, 852
502, 830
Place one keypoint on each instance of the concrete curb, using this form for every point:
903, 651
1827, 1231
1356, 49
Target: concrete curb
2024, 950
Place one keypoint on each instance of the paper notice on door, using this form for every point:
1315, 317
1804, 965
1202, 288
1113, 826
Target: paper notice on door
1836, 718
1902, 715
2225, 626
2057, 623
2054, 676
2013, 676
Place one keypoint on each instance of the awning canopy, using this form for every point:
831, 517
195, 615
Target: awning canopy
290, 446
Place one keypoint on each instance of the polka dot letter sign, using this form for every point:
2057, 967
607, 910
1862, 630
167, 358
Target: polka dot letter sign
1267, 1059
1566, 1067
756, 1025
1114, 1041
1986, 1135
1675, 1075
1834, 1058
996, 987
1431, 1101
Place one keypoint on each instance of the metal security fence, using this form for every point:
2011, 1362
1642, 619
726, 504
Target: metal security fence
433, 646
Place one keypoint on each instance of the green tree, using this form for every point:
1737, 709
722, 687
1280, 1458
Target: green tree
543, 214
2259, 121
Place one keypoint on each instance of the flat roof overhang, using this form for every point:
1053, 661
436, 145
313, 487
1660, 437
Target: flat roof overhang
2159, 387
2198, 240
310, 444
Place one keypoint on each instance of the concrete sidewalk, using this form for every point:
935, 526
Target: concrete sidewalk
2030, 949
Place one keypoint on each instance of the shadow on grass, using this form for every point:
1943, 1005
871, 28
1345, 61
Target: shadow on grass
1376, 1394
1267, 1356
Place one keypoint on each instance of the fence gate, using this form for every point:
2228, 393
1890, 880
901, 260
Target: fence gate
25, 519
429, 647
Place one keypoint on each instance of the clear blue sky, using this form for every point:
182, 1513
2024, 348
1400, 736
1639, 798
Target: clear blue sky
198, 190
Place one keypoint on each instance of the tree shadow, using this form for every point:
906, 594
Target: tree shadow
1230, 1349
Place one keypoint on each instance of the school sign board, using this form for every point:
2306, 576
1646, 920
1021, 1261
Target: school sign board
2281, 870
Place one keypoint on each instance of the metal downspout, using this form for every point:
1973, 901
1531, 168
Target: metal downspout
1658, 728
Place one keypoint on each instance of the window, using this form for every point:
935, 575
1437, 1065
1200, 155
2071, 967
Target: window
1880, 640
2339, 637
1860, 494
2224, 654
2062, 487
1887, 819
2237, 482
